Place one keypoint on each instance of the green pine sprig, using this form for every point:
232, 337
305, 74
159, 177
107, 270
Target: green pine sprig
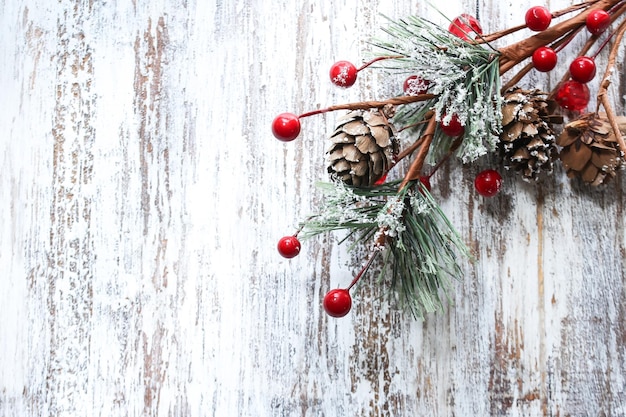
421, 247
463, 76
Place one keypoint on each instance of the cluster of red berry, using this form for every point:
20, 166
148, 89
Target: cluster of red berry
573, 94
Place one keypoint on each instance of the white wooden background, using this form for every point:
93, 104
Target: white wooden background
142, 195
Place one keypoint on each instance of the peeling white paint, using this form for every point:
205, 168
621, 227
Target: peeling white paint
142, 196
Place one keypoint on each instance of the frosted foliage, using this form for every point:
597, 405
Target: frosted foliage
418, 203
390, 217
463, 76
341, 205
344, 207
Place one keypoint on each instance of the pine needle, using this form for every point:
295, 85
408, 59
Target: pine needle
421, 246
463, 76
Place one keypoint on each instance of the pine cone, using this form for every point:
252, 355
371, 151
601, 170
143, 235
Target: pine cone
590, 149
362, 147
527, 138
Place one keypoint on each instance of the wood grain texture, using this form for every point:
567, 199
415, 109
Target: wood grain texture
142, 196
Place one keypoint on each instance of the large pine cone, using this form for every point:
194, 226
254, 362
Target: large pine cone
362, 148
527, 141
590, 148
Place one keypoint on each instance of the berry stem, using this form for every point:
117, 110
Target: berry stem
618, 11
586, 47
380, 58
603, 45
362, 271
563, 42
454, 147
517, 77
407, 151
603, 95
364, 105
515, 53
416, 166
500, 34
412, 125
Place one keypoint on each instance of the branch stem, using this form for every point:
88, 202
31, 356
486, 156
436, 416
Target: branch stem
603, 95
500, 34
515, 53
380, 58
362, 271
416, 166
365, 105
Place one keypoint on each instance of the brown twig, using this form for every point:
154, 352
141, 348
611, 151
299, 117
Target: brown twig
513, 54
610, 115
364, 105
407, 151
455, 145
603, 95
500, 34
416, 166
583, 51
517, 78
380, 58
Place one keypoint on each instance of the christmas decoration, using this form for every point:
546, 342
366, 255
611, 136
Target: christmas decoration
289, 246
452, 126
527, 141
573, 95
538, 18
337, 303
464, 96
362, 146
597, 21
544, 59
465, 27
415, 85
425, 180
488, 182
286, 127
583, 69
343, 74
590, 148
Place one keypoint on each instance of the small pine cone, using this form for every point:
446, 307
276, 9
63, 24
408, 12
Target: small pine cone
590, 148
527, 138
363, 146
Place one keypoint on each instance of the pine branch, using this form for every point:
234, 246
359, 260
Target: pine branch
422, 247
463, 77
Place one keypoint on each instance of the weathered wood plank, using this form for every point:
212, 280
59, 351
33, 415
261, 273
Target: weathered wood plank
142, 195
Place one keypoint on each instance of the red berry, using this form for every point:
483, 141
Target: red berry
573, 95
488, 182
426, 181
597, 21
538, 18
286, 127
544, 59
338, 302
289, 246
453, 128
343, 74
582, 69
381, 180
463, 26
414, 86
